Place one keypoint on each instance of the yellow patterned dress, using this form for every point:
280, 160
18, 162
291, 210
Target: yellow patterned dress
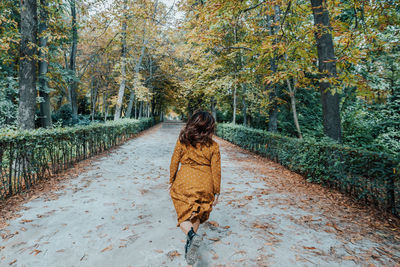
198, 179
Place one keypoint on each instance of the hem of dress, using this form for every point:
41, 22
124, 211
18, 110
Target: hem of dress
197, 215
190, 214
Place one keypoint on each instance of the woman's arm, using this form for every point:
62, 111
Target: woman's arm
176, 156
216, 169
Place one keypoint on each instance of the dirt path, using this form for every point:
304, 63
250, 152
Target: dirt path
117, 212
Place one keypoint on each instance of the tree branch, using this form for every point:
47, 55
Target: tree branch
252, 7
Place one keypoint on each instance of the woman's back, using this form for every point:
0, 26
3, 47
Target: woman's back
199, 155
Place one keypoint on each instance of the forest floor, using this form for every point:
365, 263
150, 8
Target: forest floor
115, 210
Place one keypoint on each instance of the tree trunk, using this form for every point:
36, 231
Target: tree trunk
234, 106
93, 96
105, 106
45, 108
273, 115
273, 112
121, 91
292, 91
136, 108
91, 100
189, 109
72, 64
137, 69
27, 67
244, 109
140, 109
149, 103
151, 107
64, 92
213, 110
236, 66
327, 68
130, 103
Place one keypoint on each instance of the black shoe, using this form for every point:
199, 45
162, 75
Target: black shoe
191, 249
189, 237
186, 247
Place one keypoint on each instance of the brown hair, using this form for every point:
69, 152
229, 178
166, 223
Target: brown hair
199, 129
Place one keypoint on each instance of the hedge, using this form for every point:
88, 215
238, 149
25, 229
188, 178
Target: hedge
368, 176
27, 157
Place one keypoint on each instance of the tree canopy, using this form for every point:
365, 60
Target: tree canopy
308, 69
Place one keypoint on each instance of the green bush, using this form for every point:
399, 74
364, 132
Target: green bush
29, 156
366, 175
8, 100
63, 115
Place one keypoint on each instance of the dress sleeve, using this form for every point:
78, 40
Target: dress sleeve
176, 156
216, 169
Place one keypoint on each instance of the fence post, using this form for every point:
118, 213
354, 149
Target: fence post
390, 194
10, 171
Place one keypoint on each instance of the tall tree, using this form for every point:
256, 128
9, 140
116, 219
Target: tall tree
273, 112
45, 109
327, 68
140, 59
121, 91
292, 94
137, 69
72, 63
28, 63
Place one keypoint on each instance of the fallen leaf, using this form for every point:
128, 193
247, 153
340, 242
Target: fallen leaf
214, 223
260, 226
215, 256
350, 258
36, 251
107, 248
334, 226
307, 218
172, 254
14, 261
240, 252
309, 247
273, 233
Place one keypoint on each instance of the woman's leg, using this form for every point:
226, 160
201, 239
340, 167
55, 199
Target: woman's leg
185, 226
196, 225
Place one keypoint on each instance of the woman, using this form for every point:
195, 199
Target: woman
195, 188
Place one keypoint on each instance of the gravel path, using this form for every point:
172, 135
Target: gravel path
117, 212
